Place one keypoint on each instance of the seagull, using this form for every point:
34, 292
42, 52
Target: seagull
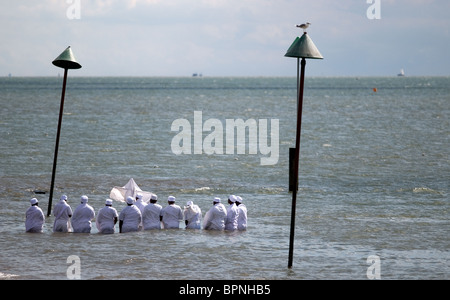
304, 26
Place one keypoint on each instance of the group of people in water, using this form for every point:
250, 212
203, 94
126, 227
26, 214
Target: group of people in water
138, 215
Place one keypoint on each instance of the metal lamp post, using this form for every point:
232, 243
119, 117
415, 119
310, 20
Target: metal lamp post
65, 60
302, 47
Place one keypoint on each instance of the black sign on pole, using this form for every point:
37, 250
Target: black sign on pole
292, 183
67, 61
301, 48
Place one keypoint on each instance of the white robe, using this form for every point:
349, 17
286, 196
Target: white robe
232, 217
131, 217
81, 219
215, 217
141, 205
242, 219
172, 215
34, 219
151, 216
193, 214
105, 219
62, 212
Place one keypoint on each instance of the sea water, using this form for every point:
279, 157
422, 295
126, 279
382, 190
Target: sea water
373, 179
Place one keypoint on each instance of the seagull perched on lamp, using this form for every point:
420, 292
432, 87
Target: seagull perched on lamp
304, 26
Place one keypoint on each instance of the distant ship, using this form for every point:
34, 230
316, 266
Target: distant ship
402, 73
197, 75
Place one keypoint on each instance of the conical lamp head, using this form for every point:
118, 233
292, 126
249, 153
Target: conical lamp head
303, 47
66, 60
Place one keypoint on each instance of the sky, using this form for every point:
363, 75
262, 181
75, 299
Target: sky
224, 37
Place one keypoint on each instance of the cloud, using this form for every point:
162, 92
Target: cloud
221, 37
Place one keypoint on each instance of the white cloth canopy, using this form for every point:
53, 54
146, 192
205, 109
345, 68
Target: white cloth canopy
130, 189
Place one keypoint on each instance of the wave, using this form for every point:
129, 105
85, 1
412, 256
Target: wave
7, 276
426, 190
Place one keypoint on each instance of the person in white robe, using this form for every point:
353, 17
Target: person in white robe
151, 217
63, 213
82, 216
242, 218
130, 217
171, 215
141, 205
34, 217
107, 218
192, 216
215, 217
232, 214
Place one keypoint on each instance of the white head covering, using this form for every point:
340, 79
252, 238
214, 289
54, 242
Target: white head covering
154, 197
130, 200
108, 202
139, 196
84, 199
217, 200
63, 198
239, 199
190, 203
171, 199
232, 198
33, 201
